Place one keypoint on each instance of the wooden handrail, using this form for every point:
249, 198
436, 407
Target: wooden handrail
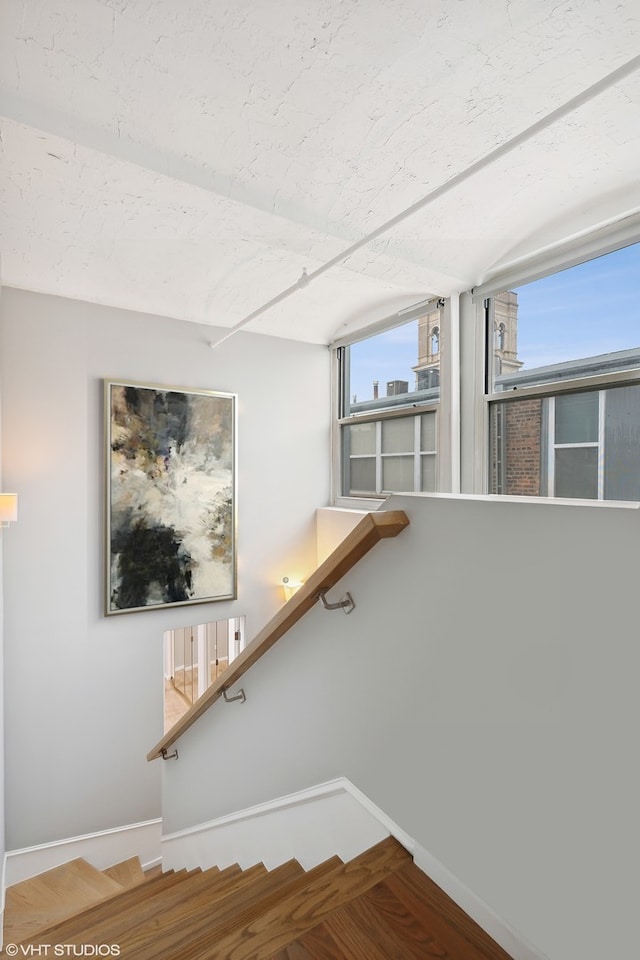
372, 528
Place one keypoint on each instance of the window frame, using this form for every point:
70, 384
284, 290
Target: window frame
597, 444
340, 495
483, 298
410, 412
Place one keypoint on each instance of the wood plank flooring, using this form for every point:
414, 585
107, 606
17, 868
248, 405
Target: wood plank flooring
378, 906
54, 896
180, 691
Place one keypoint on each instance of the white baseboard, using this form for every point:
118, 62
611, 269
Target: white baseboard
101, 849
313, 825
310, 826
510, 940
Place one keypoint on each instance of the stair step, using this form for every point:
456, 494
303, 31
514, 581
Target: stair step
112, 912
360, 932
148, 918
227, 915
128, 873
166, 932
41, 901
379, 906
431, 906
343, 940
304, 906
293, 951
382, 910
404, 917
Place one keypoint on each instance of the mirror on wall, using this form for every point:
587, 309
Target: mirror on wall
194, 657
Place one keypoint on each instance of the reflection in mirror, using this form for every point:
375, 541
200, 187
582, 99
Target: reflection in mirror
194, 657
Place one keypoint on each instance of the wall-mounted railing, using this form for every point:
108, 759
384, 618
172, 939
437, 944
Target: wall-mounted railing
370, 530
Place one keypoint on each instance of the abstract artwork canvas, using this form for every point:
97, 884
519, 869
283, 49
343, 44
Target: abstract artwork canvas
170, 496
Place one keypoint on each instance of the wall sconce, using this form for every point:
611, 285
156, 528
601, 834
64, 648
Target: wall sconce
290, 587
8, 508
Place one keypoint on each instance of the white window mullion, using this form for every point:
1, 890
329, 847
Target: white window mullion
379, 456
601, 415
551, 451
417, 456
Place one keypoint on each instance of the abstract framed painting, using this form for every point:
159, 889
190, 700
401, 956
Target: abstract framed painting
171, 496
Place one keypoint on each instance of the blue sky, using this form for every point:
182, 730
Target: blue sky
389, 356
589, 309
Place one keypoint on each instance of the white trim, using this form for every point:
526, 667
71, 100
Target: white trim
311, 815
389, 825
601, 451
335, 480
406, 315
102, 849
445, 433
310, 826
453, 328
562, 255
551, 440
327, 789
508, 938
539, 501
360, 504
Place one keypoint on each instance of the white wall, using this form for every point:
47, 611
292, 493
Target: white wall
2, 820
333, 524
500, 730
84, 692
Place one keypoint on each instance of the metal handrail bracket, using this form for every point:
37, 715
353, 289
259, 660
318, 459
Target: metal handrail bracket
240, 695
347, 604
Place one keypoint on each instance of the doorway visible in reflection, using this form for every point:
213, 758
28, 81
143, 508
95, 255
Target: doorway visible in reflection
194, 657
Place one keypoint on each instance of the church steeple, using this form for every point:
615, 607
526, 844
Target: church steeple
505, 332
427, 369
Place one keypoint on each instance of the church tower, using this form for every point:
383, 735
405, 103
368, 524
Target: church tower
505, 333
427, 369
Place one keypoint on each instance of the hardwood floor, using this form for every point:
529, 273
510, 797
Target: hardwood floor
378, 906
175, 705
177, 702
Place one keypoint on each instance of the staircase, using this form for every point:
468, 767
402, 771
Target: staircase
379, 906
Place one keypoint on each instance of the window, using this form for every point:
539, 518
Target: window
390, 390
394, 455
564, 408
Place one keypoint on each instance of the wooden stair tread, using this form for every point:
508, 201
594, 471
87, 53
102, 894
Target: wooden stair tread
234, 912
293, 951
171, 932
41, 901
339, 938
128, 873
187, 910
316, 944
369, 928
439, 913
289, 918
114, 920
379, 906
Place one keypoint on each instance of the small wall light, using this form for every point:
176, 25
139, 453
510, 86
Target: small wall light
8, 508
290, 587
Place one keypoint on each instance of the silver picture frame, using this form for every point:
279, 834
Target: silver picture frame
171, 495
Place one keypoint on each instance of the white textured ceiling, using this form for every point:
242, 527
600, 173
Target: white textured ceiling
192, 158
